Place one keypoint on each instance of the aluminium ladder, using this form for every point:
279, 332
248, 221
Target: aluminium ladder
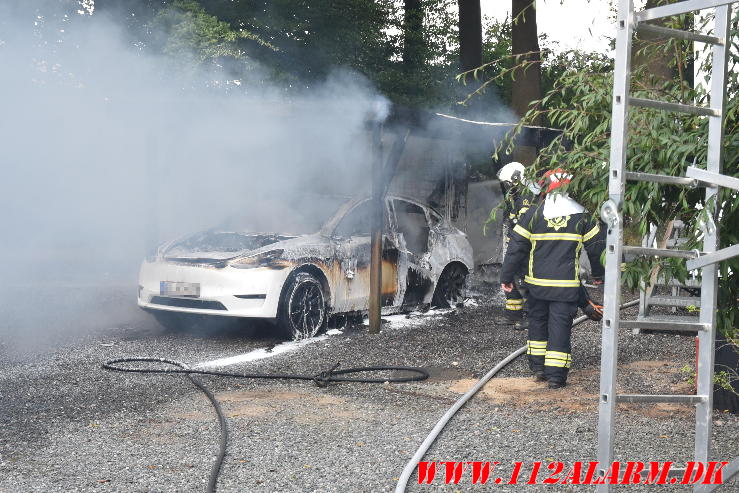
627, 23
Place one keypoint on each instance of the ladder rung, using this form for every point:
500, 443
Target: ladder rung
678, 8
712, 178
680, 34
676, 472
682, 301
678, 399
677, 242
713, 257
680, 108
673, 325
670, 180
674, 283
660, 252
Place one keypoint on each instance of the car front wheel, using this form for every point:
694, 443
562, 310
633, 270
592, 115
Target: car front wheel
302, 312
450, 288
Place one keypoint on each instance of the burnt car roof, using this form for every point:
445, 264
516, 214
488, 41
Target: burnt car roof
331, 223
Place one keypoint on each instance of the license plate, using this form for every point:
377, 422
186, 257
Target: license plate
170, 288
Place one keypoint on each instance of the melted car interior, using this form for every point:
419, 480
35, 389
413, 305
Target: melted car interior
412, 224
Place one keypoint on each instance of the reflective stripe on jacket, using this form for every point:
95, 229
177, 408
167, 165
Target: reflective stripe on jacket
522, 201
548, 251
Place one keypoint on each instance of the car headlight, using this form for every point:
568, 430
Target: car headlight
257, 260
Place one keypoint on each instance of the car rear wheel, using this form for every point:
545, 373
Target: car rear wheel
450, 288
302, 312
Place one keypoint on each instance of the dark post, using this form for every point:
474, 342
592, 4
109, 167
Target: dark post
525, 48
470, 34
375, 295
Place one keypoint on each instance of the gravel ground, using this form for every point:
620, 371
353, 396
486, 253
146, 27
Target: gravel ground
66, 425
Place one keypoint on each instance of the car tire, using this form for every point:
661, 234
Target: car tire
302, 310
450, 287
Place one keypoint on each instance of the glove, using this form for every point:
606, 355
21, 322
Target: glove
593, 311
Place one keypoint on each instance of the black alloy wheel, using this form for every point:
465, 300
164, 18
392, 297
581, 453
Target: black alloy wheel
450, 288
303, 308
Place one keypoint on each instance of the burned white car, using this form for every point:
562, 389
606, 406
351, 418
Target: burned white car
302, 278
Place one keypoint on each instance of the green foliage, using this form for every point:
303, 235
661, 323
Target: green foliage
491, 219
496, 49
187, 33
313, 38
727, 377
724, 379
500, 67
299, 42
579, 102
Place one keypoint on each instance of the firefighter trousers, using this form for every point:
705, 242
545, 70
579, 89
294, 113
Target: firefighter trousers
550, 328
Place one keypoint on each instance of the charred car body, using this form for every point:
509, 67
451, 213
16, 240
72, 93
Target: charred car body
301, 279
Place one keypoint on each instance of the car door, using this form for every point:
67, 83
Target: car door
353, 241
414, 240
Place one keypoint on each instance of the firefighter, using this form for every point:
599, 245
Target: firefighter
546, 243
519, 196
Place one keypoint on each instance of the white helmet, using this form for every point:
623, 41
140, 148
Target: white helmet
511, 172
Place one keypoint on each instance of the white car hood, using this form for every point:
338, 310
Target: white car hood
220, 245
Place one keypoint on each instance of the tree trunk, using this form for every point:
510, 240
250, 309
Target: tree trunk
470, 35
657, 64
527, 83
663, 65
412, 35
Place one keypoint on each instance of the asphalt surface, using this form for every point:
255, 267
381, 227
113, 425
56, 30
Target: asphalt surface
66, 425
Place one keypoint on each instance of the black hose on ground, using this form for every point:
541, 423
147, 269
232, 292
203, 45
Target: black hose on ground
321, 379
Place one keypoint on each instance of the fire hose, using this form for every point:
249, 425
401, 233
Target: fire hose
411, 465
321, 379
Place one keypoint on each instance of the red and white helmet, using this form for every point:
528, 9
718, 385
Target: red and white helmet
554, 179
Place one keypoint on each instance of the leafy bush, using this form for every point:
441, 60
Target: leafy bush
660, 142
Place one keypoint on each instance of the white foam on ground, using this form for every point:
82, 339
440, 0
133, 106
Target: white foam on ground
398, 321
262, 353
413, 319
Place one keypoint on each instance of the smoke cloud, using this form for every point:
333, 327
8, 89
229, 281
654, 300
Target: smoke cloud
106, 153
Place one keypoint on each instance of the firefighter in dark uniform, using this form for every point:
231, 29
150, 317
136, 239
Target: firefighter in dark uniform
518, 200
547, 243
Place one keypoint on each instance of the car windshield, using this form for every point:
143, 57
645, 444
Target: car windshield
291, 215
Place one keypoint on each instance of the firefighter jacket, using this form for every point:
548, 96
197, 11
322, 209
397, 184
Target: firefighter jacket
548, 251
522, 201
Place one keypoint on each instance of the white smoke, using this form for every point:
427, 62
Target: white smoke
106, 153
